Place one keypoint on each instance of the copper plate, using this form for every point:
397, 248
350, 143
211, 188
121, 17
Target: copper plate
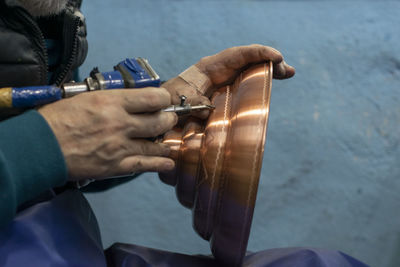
218, 163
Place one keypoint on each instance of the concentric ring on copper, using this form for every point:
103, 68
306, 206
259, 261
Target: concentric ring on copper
218, 163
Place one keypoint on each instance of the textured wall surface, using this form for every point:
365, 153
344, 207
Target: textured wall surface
331, 170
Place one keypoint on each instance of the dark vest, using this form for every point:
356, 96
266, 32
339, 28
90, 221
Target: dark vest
23, 54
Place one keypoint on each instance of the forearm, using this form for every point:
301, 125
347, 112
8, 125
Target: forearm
30, 162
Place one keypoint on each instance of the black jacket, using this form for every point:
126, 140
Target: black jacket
23, 54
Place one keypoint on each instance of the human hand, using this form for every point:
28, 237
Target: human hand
102, 133
222, 68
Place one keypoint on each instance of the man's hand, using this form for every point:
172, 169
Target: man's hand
222, 68
102, 133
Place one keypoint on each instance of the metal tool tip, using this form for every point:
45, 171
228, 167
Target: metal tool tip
211, 106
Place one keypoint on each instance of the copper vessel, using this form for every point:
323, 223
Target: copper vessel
218, 163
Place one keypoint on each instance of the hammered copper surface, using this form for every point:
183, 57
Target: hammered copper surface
218, 163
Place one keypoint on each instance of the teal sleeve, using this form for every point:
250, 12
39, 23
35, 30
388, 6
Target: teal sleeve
31, 162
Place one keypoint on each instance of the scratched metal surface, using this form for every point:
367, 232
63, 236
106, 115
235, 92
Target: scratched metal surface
331, 167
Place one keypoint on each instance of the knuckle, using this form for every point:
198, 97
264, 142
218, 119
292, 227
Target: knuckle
111, 118
135, 125
142, 164
204, 100
153, 101
163, 92
113, 147
152, 149
118, 123
165, 96
143, 148
257, 46
205, 60
96, 99
230, 52
232, 49
102, 100
139, 165
157, 129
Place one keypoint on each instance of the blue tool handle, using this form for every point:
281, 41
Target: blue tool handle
129, 74
137, 75
113, 80
29, 97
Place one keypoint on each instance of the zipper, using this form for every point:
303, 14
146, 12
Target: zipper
61, 76
38, 41
36, 36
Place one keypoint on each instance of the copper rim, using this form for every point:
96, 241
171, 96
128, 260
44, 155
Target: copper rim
219, 163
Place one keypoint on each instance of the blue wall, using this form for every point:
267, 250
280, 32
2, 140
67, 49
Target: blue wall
331, 170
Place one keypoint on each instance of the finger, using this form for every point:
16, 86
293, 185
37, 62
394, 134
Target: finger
195, 100
224, 66
290, 71
180, 90
148, 99
131, 148
237, 58
200, 100
283, 70
151, 124
259, 53
149, 148
145, 164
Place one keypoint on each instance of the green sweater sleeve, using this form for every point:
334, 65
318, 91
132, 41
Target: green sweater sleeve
31, 162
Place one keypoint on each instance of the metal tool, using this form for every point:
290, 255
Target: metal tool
130, 73
183, 108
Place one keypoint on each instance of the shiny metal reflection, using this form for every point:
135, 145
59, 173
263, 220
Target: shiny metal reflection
218, 163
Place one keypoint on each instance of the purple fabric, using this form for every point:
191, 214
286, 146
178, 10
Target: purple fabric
64, 232
56, 233
124, 255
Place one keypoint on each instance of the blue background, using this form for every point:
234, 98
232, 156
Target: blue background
331, 169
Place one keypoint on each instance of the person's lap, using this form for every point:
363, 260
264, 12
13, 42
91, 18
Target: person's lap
63, 231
